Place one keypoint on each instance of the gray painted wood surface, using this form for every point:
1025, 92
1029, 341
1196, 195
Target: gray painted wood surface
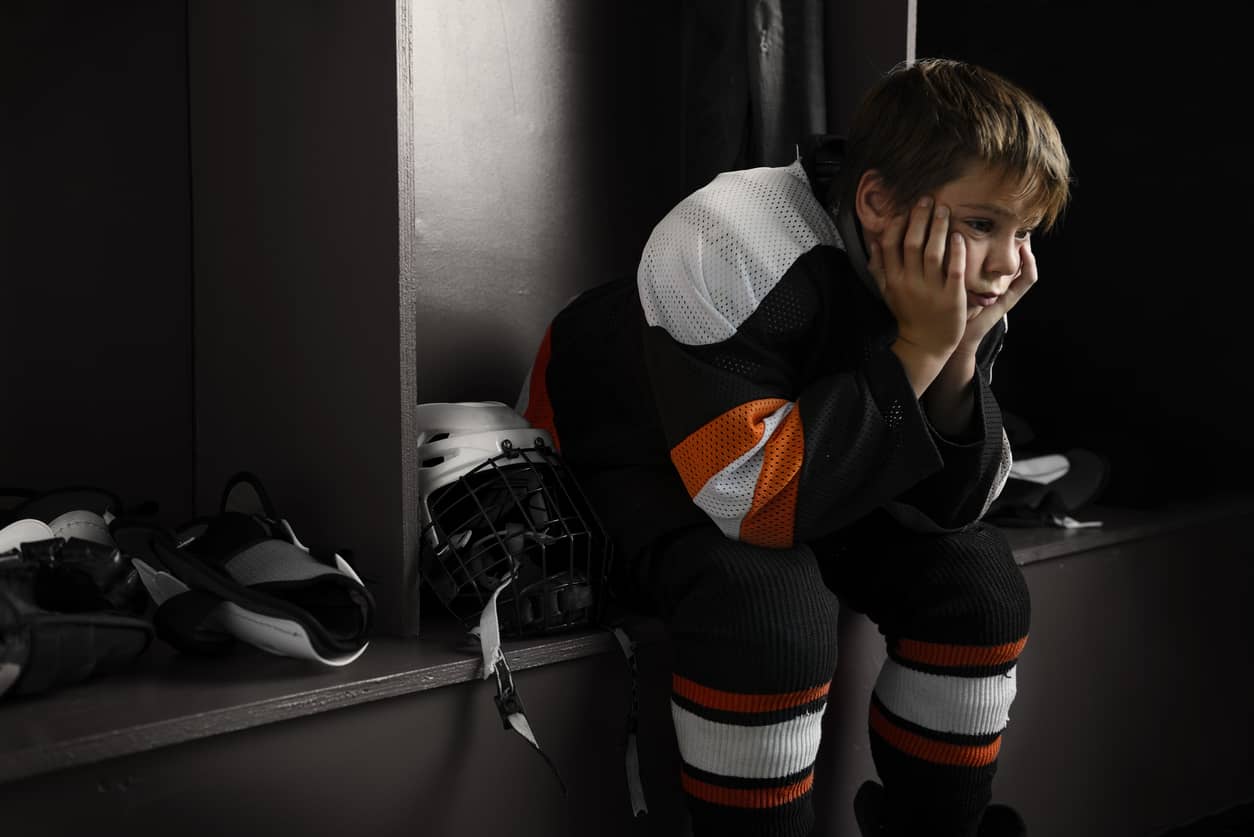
546, 148
304, 338
1118, 728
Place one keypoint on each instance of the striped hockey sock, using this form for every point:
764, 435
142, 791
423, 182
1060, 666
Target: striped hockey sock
754, 634
939, 708
748, 759
936, 719
955, 610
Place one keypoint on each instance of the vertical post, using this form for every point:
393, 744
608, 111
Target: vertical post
866, 38
406, 620
303, 274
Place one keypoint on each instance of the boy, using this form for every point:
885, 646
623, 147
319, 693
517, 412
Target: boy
791, 404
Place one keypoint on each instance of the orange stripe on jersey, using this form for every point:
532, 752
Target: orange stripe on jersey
713, 447
742, 702
936, 752
773, 515
746, 797
539, 410
957, 656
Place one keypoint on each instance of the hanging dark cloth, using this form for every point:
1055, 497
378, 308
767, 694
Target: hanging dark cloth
753, 83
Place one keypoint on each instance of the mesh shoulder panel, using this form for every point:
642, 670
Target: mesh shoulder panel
712, 259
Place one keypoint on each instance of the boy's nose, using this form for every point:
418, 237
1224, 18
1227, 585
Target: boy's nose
1002, 260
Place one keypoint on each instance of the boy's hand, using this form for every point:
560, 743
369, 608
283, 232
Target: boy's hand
929, 301
982, 323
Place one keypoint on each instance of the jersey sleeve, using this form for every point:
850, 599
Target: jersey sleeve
976, 464
782, 423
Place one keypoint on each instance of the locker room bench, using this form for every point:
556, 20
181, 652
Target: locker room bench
1134, 714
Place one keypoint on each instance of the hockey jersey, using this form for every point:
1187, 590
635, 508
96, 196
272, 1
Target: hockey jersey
744, 376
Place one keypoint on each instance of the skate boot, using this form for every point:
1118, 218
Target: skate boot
998, 820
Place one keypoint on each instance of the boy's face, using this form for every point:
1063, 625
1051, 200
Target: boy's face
994, 217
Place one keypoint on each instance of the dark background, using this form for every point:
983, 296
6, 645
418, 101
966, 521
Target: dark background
1137, 341
95, 249
1135, 344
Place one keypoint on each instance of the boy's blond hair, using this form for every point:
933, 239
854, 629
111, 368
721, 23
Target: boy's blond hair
923, 123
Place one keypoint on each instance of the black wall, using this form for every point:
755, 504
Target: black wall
1136, 342
95, 271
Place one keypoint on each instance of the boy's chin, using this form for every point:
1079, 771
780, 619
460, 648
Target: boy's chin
973, 311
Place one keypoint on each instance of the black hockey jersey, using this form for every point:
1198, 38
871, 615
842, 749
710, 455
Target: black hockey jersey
744, 376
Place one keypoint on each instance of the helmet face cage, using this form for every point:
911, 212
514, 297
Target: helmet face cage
518, 518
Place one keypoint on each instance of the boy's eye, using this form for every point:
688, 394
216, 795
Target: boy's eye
980, 225
1022, 235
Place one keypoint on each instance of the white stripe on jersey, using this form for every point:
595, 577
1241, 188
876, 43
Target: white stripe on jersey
714, 257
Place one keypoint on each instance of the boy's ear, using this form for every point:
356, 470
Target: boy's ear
873, 202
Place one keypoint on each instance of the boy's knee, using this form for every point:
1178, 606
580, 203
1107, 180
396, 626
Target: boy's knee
759, 609
993, 584
1003, 611
985, 589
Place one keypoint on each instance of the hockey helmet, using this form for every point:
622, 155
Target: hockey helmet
501, 514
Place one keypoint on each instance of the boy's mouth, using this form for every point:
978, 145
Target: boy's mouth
982, 300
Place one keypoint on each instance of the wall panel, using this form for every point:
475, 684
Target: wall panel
95, 292
546, 147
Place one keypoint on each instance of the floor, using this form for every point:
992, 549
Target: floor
1235, 822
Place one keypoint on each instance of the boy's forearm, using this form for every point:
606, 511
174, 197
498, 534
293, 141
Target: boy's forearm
921, 367
949, 402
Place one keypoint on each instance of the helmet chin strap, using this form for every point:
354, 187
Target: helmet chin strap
635, 787
508, 702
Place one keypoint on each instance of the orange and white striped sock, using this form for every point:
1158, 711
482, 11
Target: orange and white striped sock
936, 719
748, 759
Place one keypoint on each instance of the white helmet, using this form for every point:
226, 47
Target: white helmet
454, 438
499, 506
